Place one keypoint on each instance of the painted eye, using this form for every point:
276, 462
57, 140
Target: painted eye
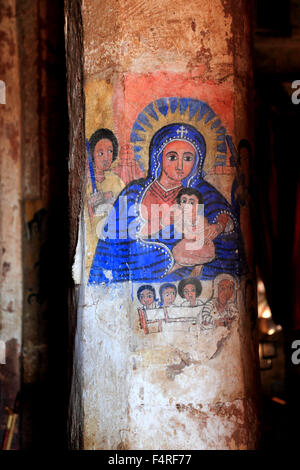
172, 158
183, 200
188, 158
110, 151
100, 154
192, 202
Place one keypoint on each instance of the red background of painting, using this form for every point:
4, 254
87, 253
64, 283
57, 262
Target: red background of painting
135, 91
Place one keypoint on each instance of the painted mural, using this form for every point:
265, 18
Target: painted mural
183, 303
162, 225
140, 240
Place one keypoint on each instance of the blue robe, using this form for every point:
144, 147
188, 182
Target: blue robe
123, 256
149, 260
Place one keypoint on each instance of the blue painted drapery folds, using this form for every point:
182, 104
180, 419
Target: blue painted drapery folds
121, 255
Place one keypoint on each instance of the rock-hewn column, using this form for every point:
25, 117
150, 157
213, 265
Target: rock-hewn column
10, 215
165, 355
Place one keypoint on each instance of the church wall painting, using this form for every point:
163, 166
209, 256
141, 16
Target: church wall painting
186, 305
174, 158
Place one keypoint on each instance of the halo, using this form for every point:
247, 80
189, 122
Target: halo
172, 110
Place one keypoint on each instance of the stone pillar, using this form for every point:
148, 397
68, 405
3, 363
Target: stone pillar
10, 216
165, 354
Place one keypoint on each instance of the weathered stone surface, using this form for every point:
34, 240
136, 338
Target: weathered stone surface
10, 211
74, 58
139, 36
164, 383
28, 23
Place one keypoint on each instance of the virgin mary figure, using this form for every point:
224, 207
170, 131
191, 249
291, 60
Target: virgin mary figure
137, 246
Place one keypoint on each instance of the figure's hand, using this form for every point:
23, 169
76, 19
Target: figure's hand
212, 231
95, 200
221, 322
226, 321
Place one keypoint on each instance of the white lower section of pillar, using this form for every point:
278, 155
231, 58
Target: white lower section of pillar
181, 388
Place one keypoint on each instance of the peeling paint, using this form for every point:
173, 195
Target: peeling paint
5, 268
10, 214
176, 369
150, 379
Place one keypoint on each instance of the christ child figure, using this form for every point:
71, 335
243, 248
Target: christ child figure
197, 247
